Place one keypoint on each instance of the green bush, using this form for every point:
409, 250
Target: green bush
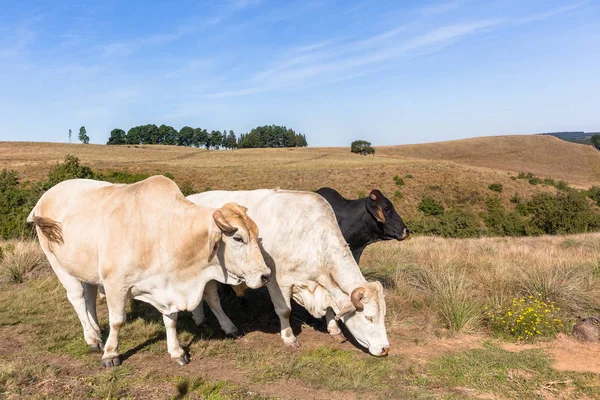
16, 201
454, 223
516, 199
501, 223
431, 206
399, 181
496, 187
594, 194
562, 185
69, 169
122, 177
362, 147
564, 213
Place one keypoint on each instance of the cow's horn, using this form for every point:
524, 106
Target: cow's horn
356, 298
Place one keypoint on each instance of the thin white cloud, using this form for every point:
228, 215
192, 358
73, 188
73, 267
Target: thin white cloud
439, 8
551, 13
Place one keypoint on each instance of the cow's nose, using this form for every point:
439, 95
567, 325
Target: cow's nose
385, 351
405, 234
264, 278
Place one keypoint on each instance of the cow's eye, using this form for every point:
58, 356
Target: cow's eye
238, 239
370, 319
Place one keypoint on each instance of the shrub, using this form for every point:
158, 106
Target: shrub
549, 182
187, 188
535, 180
398, 195
122, 177
399, 181
501, 223
496, 187
69, 169
594, 194
565, 213
562, 185
525, 318
430, 206
16, 201
516, 199
454, 223
362, 147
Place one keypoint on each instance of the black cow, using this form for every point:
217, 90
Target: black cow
365, 221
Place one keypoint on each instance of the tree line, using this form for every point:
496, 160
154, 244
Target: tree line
262, 136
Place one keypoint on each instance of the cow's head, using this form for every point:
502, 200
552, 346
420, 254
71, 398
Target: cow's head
389, 224
234, 239
365, 318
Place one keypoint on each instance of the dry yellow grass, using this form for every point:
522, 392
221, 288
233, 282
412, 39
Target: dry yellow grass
310, 168
423, 271
545, 156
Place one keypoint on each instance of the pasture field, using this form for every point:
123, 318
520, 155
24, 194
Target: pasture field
442, 295
459, 175
437, 351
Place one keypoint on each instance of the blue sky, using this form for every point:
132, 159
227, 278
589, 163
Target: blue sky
391, 72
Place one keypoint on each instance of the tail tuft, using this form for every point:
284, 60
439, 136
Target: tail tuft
51, 229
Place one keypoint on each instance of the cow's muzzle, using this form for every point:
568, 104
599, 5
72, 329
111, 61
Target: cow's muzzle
405, 234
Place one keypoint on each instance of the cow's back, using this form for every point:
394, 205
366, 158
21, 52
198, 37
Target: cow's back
100, 220
298, 229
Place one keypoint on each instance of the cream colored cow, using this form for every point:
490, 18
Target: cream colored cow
144, 241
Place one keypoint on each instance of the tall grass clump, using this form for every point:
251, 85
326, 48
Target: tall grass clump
19, 259
449, 281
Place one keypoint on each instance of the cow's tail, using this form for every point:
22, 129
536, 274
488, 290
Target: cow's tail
52, 230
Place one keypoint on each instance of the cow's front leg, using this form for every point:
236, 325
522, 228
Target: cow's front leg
281, 298
175, 350
333, 328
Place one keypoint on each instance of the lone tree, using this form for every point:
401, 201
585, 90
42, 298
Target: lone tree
83, 137
362, 147
596, 141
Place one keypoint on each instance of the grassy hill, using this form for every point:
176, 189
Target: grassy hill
543, 155
459, 172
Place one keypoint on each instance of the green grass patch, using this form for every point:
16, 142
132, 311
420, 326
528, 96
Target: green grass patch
523, 375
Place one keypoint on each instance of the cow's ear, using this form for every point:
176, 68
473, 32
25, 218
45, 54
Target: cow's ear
222, 223
214, 238
373, 208
345, 310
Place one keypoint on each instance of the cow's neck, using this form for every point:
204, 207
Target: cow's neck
362, 232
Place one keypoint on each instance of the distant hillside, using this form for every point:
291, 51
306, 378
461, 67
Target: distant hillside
543, 155
575, 137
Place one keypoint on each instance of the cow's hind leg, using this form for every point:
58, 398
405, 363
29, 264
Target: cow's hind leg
175, 350
333, 328
76, 295
90, 294
211, 295
281, 298
116, 299
198, 314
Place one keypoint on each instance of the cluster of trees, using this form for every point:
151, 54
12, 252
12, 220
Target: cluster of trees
262, 136
272, 136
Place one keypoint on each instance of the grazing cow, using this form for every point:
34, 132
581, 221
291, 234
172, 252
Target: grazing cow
311, 263
144, 241
365, 221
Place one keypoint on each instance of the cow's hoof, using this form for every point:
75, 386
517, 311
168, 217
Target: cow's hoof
234, 335
111, 362
338, 337
97, 347
183, 360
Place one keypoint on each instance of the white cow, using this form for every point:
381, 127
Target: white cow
144, 241
311, 262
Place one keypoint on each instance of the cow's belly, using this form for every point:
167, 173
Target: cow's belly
170, 295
